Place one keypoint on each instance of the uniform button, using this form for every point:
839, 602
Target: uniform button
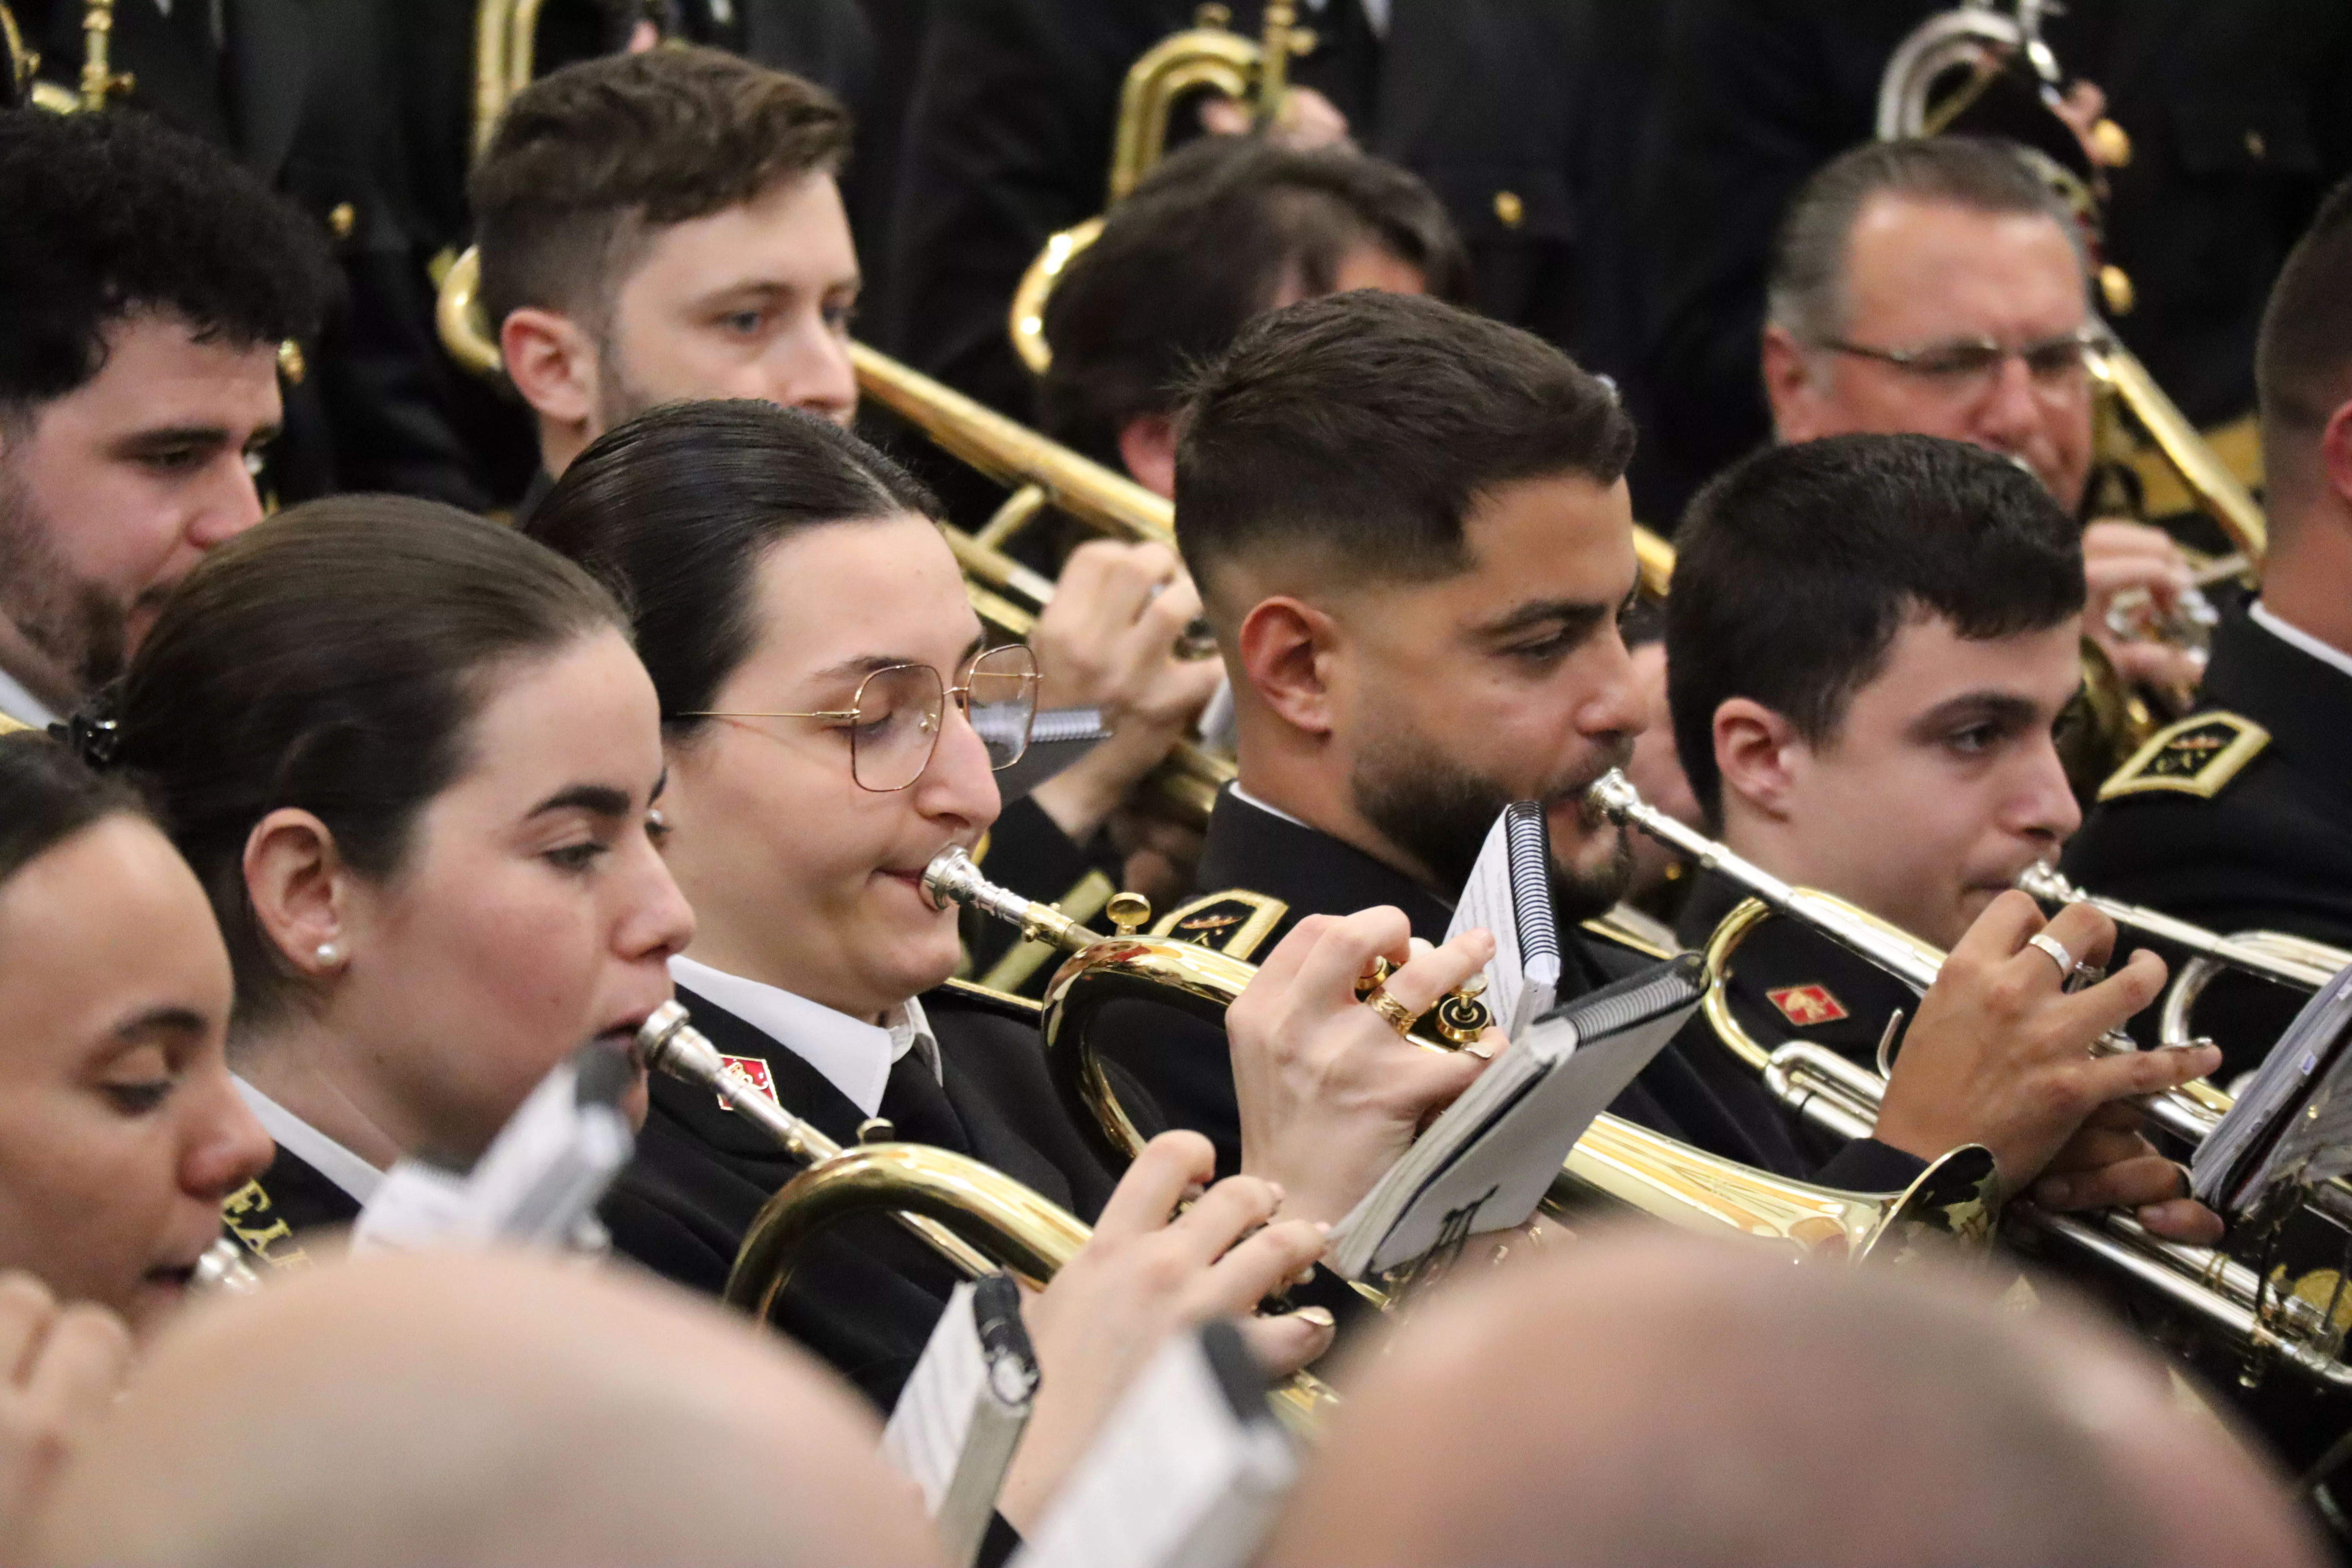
341, 219
1512, 211
2256, 148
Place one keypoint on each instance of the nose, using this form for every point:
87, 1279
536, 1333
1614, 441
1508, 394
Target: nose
656, 920
226, 1146
959, 789
2044, 808
2009, 413
1614, 703
232, 505
816, 374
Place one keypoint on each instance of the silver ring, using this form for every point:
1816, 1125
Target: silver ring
2055, 951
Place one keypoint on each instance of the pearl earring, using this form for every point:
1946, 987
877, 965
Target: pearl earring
330, 955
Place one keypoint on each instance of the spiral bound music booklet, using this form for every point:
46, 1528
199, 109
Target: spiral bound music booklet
2294, 1122
963, 1409
1485, 1165
1186, 1473
1509, 893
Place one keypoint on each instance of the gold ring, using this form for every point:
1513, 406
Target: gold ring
1393, 1012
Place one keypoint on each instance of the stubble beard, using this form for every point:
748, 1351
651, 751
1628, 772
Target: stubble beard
83, 630
1439, 814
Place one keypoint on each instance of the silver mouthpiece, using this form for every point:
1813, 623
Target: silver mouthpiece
1614, 794
223, 1271
2046, 882
671, 1044
953, 879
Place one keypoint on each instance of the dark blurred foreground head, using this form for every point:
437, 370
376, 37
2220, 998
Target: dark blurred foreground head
1652, 1399
481, 1409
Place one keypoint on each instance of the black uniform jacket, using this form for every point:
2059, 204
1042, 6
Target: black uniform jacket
2239, 119
2238, 817
1009, 140
268, 1216
868, 1296
1279, 871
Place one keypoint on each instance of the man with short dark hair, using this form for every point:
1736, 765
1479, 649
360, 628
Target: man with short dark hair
1939, 287
666, 225
1871, 645
1413, 539
1223, 231
146, 283
2240, 816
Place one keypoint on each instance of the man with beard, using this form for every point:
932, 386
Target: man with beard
1871, 646
1411, 531
145, 285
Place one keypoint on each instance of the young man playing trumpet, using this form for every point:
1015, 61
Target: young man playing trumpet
1871, 644
1417, 593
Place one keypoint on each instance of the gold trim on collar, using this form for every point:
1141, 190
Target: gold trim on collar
1629, 928
2196, 756
10, 726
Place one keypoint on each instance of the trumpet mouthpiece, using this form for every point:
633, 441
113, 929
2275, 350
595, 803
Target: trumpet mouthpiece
671, 1044
2046, 882
1614, 794
951, 878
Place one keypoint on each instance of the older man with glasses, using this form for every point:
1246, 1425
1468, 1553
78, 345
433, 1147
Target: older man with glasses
1939, 288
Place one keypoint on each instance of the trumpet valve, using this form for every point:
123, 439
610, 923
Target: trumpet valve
1130, 912
876, 1130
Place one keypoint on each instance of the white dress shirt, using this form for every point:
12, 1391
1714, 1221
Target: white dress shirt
1375, 12
854, 1056
312, 1147
2297, 637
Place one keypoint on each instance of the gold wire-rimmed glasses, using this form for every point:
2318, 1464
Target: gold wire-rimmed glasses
895, 719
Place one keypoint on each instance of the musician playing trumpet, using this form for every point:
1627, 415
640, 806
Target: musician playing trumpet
1871, 650
669, 225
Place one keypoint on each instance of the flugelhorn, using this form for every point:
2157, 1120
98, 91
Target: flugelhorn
976, 1216
2296, 962
1616, 1164
2263, 1317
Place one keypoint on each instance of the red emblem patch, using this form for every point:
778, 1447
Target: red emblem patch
751, 1070
1805, 1006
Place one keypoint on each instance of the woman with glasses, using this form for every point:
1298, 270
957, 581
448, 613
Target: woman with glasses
834, 717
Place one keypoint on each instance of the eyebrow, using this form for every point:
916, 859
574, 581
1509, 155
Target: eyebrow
601, 800
867, 664
163, 1020
1572, 613
2004, 708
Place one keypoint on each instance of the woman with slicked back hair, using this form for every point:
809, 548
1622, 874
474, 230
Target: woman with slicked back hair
412, 761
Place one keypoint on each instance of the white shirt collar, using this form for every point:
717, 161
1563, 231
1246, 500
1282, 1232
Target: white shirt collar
1248, 799
21, 705
2297, 637
312, 1147
855, 1057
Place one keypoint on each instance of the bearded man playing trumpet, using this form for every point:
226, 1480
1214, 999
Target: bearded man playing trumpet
1414, 542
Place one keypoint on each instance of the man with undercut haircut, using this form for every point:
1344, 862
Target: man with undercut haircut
668, 226
1413, 538
145, 284
1870, 650
2239, 816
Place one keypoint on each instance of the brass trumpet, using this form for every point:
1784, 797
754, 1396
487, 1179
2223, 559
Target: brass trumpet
2258, 1312
1615, 1163
99, 80
976, 1216
2296, 962
1209, 56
